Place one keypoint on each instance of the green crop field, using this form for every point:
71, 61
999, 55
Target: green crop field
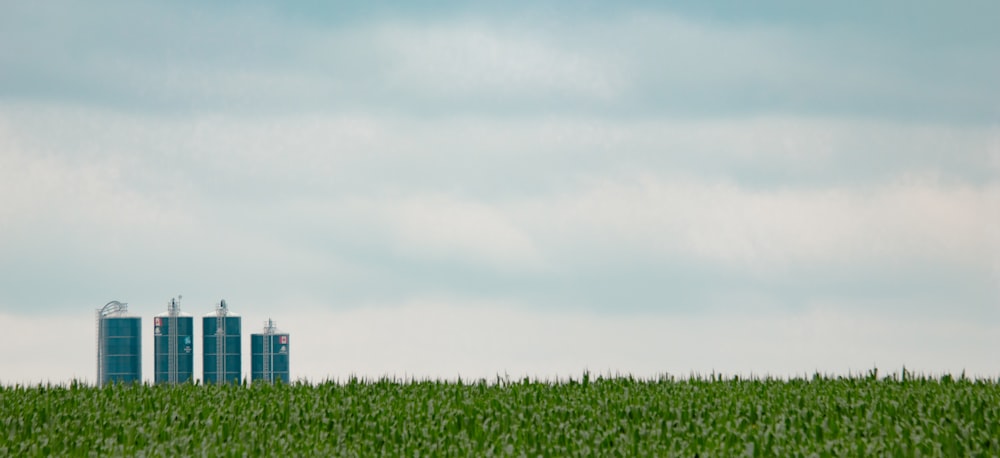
619, 416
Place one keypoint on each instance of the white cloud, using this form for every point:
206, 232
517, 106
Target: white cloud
994, 150
460, 152
635, 61
53, 348
540, 195
440, 226
45, 193
912, 219
456, 60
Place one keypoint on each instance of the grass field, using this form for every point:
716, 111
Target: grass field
821, 416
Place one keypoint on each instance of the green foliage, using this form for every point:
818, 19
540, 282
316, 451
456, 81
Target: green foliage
598, 416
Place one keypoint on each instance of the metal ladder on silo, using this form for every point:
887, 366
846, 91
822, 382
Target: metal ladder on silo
220, 343
172, 341
268, 353
100, 354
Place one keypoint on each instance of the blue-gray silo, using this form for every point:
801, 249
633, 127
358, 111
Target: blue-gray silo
221, 346
173, 345
119, 345
269, 354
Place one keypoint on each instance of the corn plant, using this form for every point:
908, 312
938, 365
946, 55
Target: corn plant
602, 416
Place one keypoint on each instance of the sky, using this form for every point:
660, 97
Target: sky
470, 189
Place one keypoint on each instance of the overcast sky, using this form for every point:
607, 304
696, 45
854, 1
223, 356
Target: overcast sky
536, 188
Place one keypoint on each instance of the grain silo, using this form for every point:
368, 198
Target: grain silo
221, 346
173, 345
119, 345
269, 354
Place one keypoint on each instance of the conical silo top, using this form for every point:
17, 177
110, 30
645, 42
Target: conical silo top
174, 308
270, 327
222, 310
